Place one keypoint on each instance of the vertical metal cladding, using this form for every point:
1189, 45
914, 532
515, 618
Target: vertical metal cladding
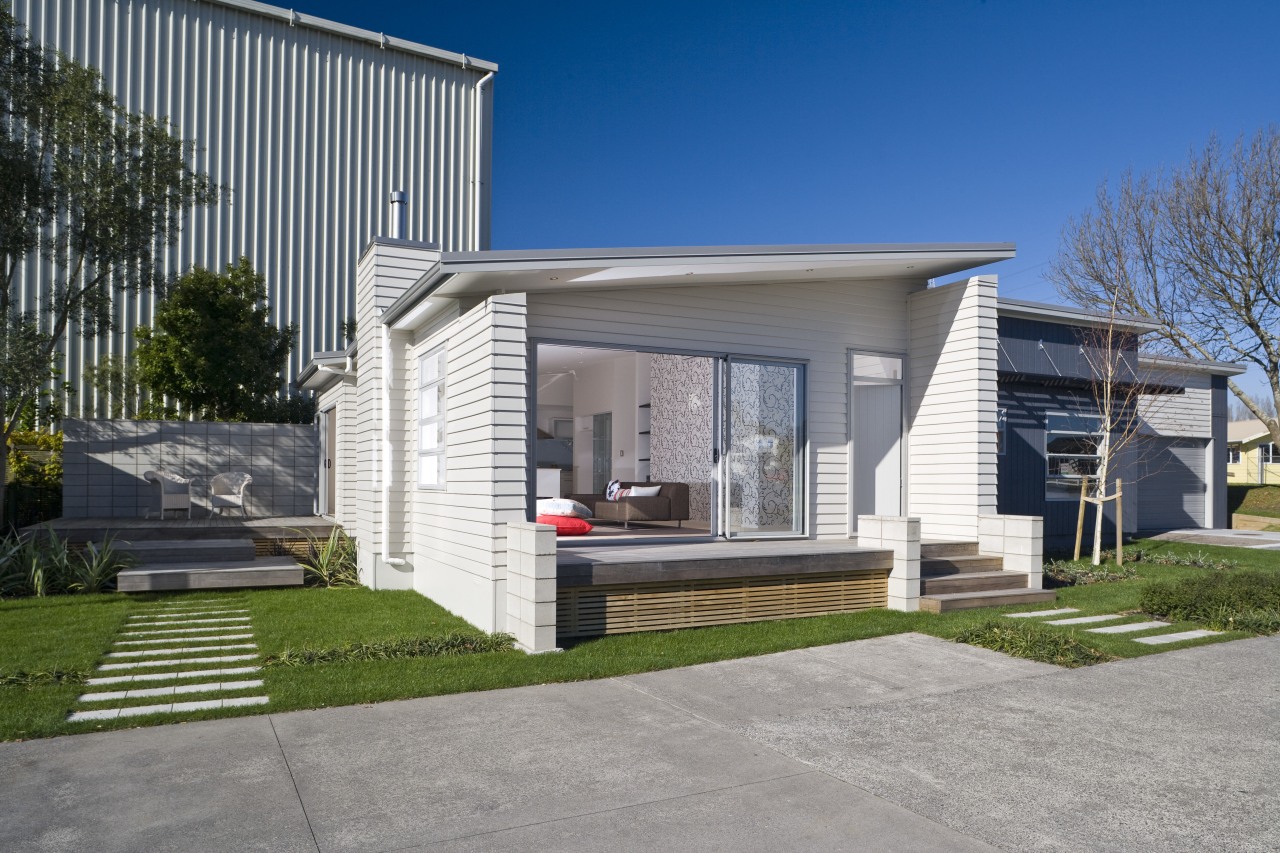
307, 125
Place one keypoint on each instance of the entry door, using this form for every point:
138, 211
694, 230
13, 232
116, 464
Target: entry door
875, 478
761, 466
328, 452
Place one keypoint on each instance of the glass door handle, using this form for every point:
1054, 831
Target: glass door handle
715, 455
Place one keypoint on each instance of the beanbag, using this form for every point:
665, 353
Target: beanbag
563, 506
566, 525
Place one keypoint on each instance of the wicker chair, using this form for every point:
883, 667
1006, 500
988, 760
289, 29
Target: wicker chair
169, 492
226, 491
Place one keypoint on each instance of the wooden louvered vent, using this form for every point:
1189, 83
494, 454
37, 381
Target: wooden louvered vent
655, 606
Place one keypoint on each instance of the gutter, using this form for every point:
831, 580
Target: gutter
478, 189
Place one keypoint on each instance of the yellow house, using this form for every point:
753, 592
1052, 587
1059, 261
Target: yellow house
1251, 455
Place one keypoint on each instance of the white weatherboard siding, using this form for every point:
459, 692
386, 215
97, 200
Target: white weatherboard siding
813, 321
1186, 415
385, 271
308, 126
951, 418
458, 536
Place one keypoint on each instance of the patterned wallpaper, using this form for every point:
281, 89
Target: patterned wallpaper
681, 425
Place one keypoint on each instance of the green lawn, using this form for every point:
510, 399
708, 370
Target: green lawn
71, 634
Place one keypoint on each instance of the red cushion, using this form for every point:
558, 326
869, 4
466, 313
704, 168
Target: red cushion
566, 525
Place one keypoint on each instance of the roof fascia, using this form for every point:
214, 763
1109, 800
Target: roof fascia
382, 40
1070, 316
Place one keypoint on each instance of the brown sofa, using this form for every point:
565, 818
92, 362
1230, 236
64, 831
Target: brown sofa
670, 504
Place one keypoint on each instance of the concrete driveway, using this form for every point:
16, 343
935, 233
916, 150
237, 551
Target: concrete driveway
904, 743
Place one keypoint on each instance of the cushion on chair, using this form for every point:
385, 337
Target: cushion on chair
563, 506
566, 525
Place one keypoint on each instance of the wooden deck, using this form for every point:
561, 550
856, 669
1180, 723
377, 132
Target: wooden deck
660, 586
265, 530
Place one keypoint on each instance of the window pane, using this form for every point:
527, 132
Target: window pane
1077, 444
876, 366
429, 367
430, 402
429, 469
1072, 423
1073, 466
429, 436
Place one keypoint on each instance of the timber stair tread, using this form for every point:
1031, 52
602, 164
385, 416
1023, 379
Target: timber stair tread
169, 551
930, 550
972, 582
211, 574
961, 564
945, 602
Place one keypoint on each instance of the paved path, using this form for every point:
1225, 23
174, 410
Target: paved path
902, 743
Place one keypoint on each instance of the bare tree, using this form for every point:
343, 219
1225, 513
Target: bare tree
1196, 251
1125, 394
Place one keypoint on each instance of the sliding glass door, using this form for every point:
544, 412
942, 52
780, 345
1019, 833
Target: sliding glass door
762, 429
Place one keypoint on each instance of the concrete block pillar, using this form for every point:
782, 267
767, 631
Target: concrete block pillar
1019, 539
902, 536
531, 585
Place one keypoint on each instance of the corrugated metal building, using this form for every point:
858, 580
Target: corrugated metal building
307, 124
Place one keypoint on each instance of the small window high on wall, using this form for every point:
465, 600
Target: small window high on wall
432, 419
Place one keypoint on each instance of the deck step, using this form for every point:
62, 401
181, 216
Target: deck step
945, 602
931, 550
958, 565
168, 551
972, 582
228, 574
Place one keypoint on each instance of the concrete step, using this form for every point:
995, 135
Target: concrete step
959, 565
945, 602
167, 551
972, 582
930, 550
230, 574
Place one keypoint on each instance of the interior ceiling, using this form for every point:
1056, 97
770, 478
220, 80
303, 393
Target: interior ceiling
553, 359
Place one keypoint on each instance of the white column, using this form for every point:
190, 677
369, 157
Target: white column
531, 585
902, 536
1019, 539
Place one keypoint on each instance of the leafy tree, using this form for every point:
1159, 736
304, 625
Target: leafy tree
94, 191
1196, 250
214, 350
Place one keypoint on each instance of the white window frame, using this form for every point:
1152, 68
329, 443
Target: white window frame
1267, 453
1072, 479
429, 383
1233, 456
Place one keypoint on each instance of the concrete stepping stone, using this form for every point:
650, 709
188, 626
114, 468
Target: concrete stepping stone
139, 664
174, 708
183, 630
202, 639
1129, 628
171, 690
1033, 613
1082, 620
171, 676
193, 621
180, 650
1161, 639
186, 614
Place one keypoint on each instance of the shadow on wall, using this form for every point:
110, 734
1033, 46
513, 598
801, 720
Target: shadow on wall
104, 460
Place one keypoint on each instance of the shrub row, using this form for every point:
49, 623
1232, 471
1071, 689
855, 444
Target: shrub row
1236, 600
453, 643
1033, 642
43, 565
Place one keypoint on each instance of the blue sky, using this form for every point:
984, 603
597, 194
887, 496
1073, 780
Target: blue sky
669, 123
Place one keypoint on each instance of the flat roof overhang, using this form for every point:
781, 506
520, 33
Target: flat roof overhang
478, 274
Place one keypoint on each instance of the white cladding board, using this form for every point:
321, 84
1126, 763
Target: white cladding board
951, 414
307, 127
1171, 493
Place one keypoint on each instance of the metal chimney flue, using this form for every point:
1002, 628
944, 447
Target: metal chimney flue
399, 214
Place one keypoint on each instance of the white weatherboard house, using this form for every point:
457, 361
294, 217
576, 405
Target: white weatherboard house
775, 393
